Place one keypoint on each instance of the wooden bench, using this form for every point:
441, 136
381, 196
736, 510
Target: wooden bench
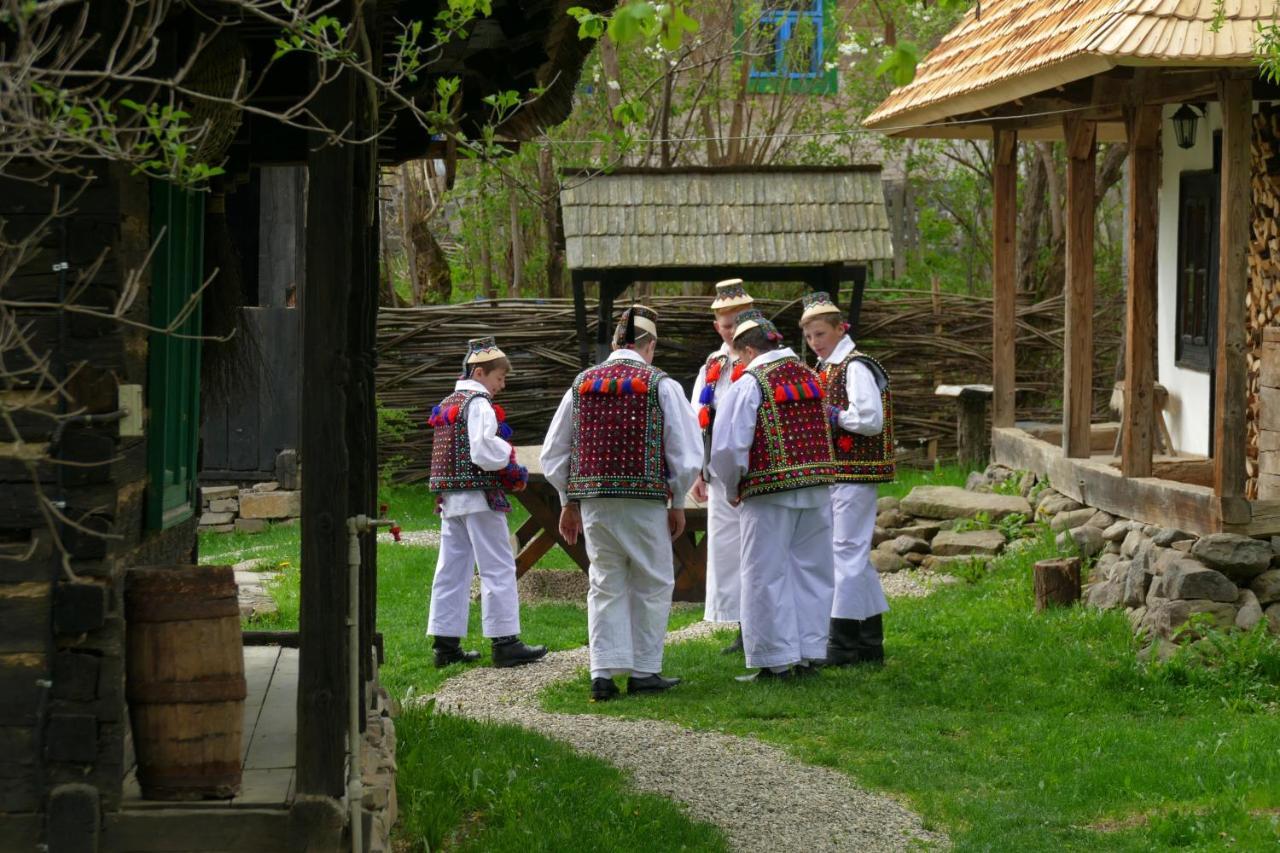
541, 531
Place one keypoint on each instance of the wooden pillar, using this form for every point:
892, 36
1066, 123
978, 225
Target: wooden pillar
1142, 124
855, 299
1231, 385
609, 288
1077, 338
1004, 279
326, 369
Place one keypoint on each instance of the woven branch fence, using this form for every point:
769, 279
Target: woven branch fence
923, 339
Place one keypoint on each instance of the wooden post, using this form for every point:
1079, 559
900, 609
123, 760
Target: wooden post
609, 288
1142, 124
1004, 283
1231, 386
855, 298
1057, 583
1077, 336
973, 439
322, 689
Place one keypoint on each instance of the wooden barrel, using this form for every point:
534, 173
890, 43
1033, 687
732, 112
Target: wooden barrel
185, 680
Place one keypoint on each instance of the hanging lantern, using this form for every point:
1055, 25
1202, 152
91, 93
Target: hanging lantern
1184, 126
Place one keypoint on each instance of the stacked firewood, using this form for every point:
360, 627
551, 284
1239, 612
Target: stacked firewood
1263, 299
923, 339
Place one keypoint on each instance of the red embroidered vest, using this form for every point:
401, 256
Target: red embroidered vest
716, 364
792, 445
617, 433
860, 458
451, 465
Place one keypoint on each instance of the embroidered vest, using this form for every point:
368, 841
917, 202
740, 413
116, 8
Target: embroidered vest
617, 433
707, 399
792, 445
860, 458
451, 465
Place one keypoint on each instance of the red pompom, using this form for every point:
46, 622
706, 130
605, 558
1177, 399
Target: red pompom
738, 370
640, 386
780, 394
713, 372
704, 417
500, 412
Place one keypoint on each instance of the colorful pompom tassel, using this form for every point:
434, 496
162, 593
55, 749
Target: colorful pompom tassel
505, 431
704, 417
708, 395
738, 369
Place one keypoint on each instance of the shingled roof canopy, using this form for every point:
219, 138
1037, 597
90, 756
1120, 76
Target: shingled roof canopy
747, 217
1004, 50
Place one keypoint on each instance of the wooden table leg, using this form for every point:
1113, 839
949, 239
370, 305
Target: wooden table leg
533, 551
542, 503
527, 531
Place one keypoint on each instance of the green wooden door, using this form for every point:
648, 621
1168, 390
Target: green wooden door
173, 390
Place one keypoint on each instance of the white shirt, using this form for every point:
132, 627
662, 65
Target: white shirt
735, 432
488, 451
865, 413
681, 438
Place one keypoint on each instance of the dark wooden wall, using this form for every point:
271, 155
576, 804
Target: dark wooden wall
62, 703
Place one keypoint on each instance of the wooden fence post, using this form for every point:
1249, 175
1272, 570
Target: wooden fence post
1004, 284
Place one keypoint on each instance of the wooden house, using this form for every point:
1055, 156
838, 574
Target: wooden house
117, 452
1177, 80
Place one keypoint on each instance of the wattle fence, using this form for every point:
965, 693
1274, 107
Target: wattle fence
923, 339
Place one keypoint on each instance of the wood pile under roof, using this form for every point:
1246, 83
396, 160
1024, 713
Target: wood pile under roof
1015, 48
785, 216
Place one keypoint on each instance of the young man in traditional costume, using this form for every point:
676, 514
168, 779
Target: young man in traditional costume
724, 557
472, 463
860, 410
771, 449
623, 444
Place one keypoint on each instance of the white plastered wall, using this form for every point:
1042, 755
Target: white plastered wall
1187, 412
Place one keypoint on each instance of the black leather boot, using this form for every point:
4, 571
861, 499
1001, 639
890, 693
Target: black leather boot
509, 651
734, 648
842, 642
871, 640
449, 650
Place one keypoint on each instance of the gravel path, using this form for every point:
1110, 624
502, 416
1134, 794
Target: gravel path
761, 798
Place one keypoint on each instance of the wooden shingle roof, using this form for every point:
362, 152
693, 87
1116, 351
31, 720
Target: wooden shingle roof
782, 216
1015, 48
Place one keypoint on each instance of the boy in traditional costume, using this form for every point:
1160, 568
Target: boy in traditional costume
724, 557
860, 410
623, 444
472, 463
771, 449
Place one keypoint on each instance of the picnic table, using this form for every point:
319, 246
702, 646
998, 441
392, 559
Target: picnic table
541, 531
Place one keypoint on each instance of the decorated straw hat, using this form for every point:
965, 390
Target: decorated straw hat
646, 319
481, 350
731, 294
816, 304
754, 319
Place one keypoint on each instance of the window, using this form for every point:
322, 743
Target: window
1197, 306
788, 48
173, 362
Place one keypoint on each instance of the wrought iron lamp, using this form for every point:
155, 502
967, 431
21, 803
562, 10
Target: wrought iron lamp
1184, 125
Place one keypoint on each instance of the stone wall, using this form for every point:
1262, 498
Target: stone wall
230, 508
1269, 415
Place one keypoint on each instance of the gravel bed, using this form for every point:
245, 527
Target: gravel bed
761, 798
914, 584
416, 538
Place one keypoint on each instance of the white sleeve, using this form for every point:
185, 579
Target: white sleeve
864, 415
488, 451
734, 433
698, 385
557, 446
681, 441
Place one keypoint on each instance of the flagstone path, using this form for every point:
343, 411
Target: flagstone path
760, 797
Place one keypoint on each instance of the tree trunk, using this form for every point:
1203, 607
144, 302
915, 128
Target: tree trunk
387, 295
1057, 583
549, 192
436, 285
408, 209
516, 282
1030, 218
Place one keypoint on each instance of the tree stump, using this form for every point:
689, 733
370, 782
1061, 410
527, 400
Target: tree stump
1057, 582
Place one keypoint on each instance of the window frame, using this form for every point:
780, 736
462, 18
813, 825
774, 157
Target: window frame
1197, 352
820, 81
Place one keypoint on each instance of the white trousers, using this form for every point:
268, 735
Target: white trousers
477, 540
859, 594
786, 582
631, 580
724, 557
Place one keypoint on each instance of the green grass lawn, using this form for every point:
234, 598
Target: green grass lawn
462, 785
1012, 730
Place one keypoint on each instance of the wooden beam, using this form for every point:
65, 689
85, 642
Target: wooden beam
326, 369
1077, 338
1142, 125
1004, 259
859, 289
1231, 385
580, 318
